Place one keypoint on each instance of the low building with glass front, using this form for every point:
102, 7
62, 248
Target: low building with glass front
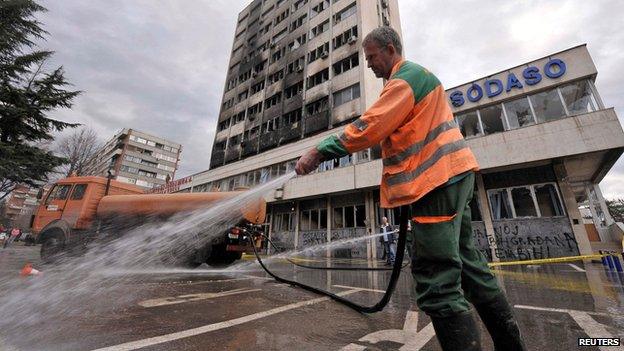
543, 139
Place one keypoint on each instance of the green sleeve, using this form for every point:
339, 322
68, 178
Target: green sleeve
332, 148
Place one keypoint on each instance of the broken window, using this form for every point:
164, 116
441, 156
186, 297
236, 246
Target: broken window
523, 202
338, 218
284, 222
547, 106
304, 220
326, 166
519, 113
548, 200
344, 13
499, 204
349, 217
360, 216
345, 160
346, 64
492, 119
469, 124
324, 26
317, 106
349, 36
347, 94
323, 218
578, 98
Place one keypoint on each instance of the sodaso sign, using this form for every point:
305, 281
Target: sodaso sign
554, 68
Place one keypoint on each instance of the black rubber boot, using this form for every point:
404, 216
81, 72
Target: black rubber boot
457, 333
501, 324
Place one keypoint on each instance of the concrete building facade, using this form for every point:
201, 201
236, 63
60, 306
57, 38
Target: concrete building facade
541, 134
20, 205
137, 158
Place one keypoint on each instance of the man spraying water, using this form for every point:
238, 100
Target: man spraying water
428, 166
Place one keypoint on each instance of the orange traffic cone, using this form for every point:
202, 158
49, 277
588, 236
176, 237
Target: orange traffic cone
29, 270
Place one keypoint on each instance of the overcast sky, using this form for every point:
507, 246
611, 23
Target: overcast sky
159, 66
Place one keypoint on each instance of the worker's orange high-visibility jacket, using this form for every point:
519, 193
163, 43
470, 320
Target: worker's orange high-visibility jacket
422, 147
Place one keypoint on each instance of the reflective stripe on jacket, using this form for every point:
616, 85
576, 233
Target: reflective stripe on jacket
422, 147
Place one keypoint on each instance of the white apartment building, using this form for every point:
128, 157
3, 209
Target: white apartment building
137, 158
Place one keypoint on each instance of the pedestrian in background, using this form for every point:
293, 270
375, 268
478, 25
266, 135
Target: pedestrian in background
427, 166
15, 233
387, 240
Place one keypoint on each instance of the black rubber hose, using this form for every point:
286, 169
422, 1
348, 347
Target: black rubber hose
332, 268
396, 272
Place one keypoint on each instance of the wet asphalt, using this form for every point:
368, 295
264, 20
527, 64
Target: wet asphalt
555, 305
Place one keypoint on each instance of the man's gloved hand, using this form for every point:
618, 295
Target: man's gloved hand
308, 161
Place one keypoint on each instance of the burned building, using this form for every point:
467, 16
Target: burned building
540, 132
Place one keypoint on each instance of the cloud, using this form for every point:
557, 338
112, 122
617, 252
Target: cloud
159, 66
156, 66
464, 40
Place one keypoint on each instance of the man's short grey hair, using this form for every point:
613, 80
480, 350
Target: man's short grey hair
384, 36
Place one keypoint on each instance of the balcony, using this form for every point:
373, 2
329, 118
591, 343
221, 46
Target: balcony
268, 140
232, 154
217, 158
316, 122
289, 133
250, 147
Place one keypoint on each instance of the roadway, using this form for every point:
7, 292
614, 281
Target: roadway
243, 309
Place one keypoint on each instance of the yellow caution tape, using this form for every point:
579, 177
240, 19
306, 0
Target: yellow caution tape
547, 260
491, 264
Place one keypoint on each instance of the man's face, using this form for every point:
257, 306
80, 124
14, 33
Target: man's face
378, 59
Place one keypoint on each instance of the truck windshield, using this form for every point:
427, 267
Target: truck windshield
59, 192
79, 191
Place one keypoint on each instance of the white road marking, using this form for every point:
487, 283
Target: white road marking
226, 280
133, 345
576, 268
409, 336
187, 282
358, 288
354, 347
164, 301
592, 328
560, 310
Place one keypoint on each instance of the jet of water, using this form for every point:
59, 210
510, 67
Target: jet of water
83, 285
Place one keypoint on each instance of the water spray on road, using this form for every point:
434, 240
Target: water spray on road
83, 285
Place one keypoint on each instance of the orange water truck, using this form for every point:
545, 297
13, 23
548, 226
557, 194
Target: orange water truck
78, 210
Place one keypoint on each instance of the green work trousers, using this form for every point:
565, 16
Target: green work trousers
448, 269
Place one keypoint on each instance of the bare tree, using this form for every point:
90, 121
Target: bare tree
78, 148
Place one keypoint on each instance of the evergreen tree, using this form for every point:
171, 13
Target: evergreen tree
28, 92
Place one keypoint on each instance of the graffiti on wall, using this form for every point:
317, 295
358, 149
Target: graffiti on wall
284, 241
527, 239
482, 240
312, 238
354, 250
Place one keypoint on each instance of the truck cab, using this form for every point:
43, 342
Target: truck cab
70, 207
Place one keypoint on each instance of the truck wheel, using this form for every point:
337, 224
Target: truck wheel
230, 257
220, 257
51, 249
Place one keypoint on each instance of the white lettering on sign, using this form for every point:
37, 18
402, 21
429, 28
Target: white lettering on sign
171, 187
